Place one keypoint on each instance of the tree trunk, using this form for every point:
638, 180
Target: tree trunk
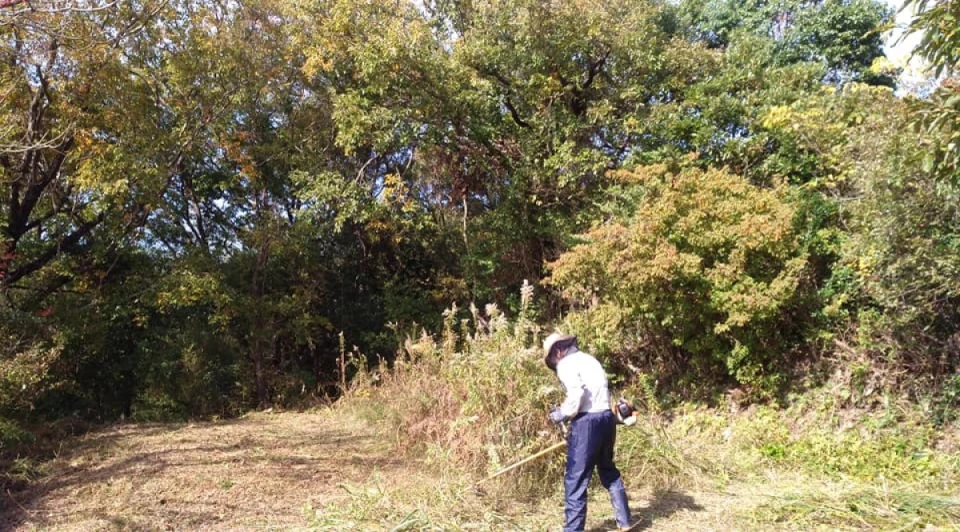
259, 330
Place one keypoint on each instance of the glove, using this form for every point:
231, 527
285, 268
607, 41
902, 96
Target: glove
556, 416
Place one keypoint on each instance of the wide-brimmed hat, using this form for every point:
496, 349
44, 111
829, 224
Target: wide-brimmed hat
551, 340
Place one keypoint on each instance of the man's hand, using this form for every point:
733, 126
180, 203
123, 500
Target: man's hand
556, 416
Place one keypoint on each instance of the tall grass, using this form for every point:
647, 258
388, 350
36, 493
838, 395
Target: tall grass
475, 397
859, 508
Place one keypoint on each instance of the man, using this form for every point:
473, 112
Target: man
593, 430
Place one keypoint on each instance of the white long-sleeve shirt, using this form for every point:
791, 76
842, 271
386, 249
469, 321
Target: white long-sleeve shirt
585, 382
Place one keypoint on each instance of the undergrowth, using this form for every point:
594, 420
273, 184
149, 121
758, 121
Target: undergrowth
474, 399
859, 508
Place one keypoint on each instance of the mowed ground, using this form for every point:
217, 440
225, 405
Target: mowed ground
251, 473
265, 472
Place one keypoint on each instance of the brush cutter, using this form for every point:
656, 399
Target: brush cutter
548, 450
623, 410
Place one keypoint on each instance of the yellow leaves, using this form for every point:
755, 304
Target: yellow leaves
638, 175
84, 142
236, 148
396, 193
708, 229
777, 117
379, 228
393, 188
798, 118
103, 168
632, 125
320, 58
884, 66
187, 288
376, 38
868, 262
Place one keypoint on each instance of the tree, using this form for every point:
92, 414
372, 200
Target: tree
844, 35
502, 118
68, 153
939, 116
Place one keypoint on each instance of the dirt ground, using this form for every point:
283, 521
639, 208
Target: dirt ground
260, 472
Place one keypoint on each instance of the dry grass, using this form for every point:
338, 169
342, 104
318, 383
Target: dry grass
330, 471
323, 470
251, 473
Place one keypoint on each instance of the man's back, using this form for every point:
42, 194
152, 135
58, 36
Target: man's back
581, 371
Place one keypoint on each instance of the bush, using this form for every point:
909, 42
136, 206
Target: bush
707, 266
24, 376
11, 435
891, 230
904, 247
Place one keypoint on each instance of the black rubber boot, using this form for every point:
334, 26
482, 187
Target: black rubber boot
621, 510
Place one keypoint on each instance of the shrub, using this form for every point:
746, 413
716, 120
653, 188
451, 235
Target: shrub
890, 228
708, 266
24, 375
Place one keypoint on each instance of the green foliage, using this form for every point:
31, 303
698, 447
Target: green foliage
946, 404
707, 261
12, 435
843, 35
939, 41
24, 377
902, 243
939, 119
939, 115
506, 114
860, 507
180, 238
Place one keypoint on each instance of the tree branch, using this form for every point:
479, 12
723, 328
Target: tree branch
36, 188
513, 113
66, 245
594, 69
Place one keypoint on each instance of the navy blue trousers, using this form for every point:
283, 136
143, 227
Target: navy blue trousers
589, 446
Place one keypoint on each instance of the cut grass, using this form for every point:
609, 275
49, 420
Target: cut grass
244, 474
329, 470
859, 508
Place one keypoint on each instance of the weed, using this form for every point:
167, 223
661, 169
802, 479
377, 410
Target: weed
477, 398
11, 434
474, 399
860, 508
947, 405
26, 469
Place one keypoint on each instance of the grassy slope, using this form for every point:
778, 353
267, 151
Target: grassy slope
331, 471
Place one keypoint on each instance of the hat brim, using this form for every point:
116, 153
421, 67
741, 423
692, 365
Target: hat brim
553, 339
